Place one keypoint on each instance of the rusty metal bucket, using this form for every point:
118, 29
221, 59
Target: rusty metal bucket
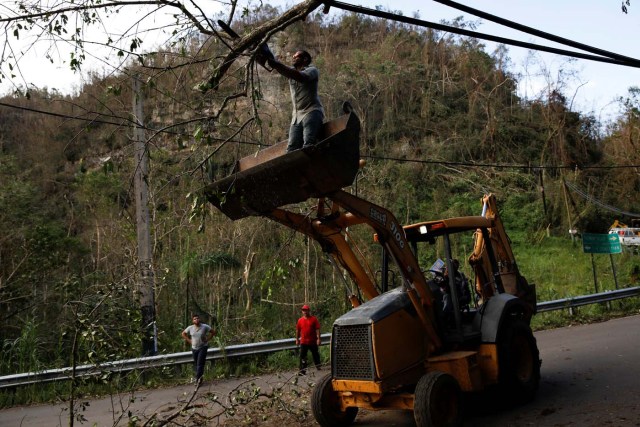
272, 177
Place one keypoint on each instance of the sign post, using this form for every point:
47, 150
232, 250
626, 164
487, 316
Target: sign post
600, 244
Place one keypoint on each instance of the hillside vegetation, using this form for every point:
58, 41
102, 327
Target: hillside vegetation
442, 124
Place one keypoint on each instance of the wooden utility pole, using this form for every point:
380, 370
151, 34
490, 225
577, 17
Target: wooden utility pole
572, 231
145, 282
544, 197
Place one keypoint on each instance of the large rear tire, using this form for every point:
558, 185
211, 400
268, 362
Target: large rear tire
437, 401
325, 405
518, 363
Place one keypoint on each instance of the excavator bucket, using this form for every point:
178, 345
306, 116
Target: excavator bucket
272, 177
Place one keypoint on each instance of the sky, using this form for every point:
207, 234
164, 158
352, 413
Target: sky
597, 23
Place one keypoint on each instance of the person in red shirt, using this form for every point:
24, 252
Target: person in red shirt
308, 338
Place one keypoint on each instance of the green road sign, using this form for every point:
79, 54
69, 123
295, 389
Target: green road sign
601, 243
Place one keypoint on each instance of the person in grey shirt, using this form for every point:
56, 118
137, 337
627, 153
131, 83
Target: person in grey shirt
308, 112
198, 335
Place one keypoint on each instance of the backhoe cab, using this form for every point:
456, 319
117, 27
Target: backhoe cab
413, 340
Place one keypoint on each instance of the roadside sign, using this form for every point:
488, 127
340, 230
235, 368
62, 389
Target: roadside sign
601, 243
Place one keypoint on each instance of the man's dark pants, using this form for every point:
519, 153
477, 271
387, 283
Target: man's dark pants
199, 359
304, 348
305, 133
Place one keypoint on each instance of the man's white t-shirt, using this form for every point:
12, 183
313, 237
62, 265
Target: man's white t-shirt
198, 335
304, 96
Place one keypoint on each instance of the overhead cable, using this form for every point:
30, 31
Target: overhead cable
533, 31
125, 121
496, 165
597, 202
394, 159
426, 24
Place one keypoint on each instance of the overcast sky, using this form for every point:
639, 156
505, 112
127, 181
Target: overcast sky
597, 23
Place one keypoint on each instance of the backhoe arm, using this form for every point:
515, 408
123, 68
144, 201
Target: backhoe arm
329, 234
508, 279
328, 229
391, 236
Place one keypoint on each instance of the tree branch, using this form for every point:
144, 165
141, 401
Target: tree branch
256, 36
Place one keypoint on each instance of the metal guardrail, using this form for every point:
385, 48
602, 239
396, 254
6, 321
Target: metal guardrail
164, 360
588, 299
158, 361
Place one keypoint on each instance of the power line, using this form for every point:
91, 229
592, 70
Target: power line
495, 165
597, 202
533, 31
125, 121
386, 158
611, 58
65, 116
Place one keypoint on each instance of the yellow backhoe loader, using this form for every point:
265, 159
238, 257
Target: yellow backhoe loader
412, 341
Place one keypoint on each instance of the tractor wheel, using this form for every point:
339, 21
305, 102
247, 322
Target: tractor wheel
518, 363
437, 401
325, 405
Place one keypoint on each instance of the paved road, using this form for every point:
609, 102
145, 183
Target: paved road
590, 377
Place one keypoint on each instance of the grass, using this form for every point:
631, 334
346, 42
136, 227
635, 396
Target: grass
561, 269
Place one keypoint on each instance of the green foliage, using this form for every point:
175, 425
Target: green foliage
194, 264
24, 353
102, 189
51, 245
276, 277
523, 212
17, 197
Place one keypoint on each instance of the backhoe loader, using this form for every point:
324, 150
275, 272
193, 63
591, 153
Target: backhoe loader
398, 347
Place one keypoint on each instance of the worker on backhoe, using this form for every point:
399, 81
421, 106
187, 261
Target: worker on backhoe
441, 287
308, 113
461, 283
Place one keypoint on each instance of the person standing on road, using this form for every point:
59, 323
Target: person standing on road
198, 335
308, 112
308, 338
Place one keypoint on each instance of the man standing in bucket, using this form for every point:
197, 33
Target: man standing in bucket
198, 335
308, 112
308, 338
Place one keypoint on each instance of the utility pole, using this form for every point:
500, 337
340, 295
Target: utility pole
544, 197
145, 282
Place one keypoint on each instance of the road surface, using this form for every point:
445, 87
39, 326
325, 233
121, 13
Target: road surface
590, 377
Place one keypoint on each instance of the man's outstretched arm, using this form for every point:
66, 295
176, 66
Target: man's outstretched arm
287, 71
